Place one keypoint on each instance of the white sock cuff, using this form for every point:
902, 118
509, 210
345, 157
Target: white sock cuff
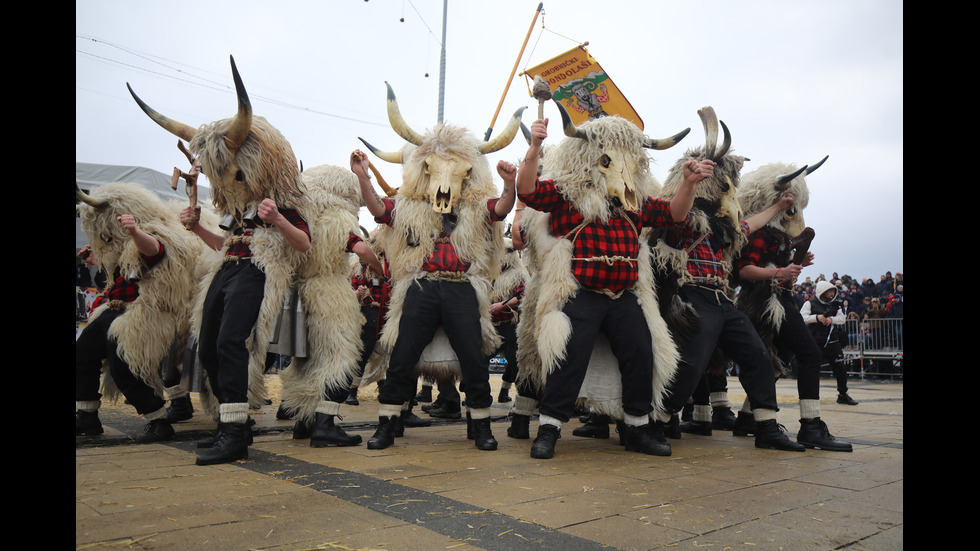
746, 406
158, 414
545, 420
702, 412
479, 413
233, 413
809, 409
506, 385
764, 414
389, 410
356, 382
88, 405
524, 405
635, 420
328, 408
718, 399
174, 392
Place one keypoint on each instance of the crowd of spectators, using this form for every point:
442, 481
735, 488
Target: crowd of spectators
865, 298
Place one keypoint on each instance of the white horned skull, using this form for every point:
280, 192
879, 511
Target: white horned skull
446, 172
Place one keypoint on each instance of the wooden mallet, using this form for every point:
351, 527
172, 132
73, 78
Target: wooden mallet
542, 92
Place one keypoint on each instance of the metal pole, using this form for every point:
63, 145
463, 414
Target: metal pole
442, 63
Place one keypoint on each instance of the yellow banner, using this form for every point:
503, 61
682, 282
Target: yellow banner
583, 87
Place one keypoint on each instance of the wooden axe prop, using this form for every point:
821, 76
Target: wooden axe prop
190, 178
542, 92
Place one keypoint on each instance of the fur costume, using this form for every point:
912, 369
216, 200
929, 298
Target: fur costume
246, 160
159, 319
333, 314
716, 213
573, 166
760, 299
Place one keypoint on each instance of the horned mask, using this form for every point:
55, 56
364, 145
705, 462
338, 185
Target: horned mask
617, 166
764, 186
446, 172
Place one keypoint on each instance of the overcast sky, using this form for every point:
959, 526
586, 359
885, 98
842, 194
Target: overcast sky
794, 81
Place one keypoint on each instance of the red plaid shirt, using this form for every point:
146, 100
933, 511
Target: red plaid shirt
506, 314
443, 257
242, 250
704, 262
375, 286
617, 240
763, 244
124, 289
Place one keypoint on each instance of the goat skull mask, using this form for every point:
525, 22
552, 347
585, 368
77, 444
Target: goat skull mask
445, 172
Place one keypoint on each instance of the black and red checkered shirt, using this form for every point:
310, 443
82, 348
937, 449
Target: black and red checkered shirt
506, 314
763, 244
604, 256
123, 289
704, 262
443, 257
375, 287
242, 250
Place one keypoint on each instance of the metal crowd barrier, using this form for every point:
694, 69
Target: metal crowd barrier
875, 347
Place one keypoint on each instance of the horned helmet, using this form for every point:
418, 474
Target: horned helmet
762, 187
611, 157
245, 158
448, 158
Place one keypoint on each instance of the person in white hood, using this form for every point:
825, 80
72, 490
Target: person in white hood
825, 320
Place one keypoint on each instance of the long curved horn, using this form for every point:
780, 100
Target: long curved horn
567, 125
179, 129
782, 183
816, 166
726, 143
390, 156
398, 123
505, 137
666, 143
527, 133
710, 122
89, 200
243, 120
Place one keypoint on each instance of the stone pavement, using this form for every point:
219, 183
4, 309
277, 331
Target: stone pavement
434, 490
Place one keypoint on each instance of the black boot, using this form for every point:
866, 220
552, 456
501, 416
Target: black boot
434, 405
722, 418
596, 427
543, 446
302, 430
672, 428
399, 427
447, 411
621, 431
697, 427
352, 398
231, 445
519, 426
815, 434
208, 441
385, 435
770, 435
648, 439
327, 434
845, 399
470, 435
157, 430
424, 395
483, 435
744, 424
409, 419
504, 396
87, 423
282, 413
180, 409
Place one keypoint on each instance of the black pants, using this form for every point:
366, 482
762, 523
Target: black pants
369, 335
508, 333
722, 325
833, 354
93, 346
429, 304
231, 308
795, 339
623, 323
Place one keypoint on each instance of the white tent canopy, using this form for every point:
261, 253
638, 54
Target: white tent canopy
89, 176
